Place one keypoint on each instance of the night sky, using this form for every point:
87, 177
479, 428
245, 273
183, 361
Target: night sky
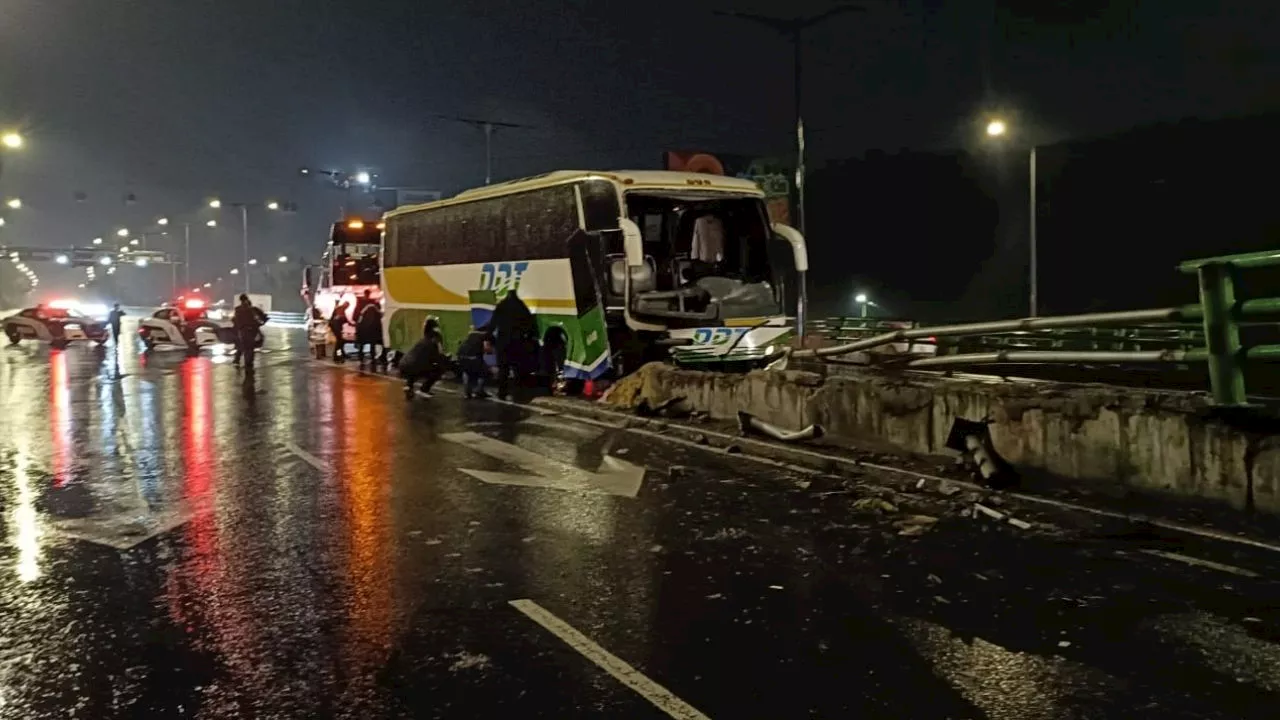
178, 100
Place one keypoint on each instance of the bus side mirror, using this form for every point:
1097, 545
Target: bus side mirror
632, 242
798, 249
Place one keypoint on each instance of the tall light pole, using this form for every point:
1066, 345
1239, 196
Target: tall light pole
793, 29
488, 126
244, 228
997, 128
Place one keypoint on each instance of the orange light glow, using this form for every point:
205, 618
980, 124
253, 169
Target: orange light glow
382, 226
355, 224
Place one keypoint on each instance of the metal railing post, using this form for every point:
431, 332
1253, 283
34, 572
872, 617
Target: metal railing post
1222, 333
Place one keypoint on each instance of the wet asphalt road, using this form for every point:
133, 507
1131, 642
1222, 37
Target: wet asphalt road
177, 543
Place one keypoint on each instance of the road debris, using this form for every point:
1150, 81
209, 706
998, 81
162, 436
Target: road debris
874, 504
993, 514
748, 423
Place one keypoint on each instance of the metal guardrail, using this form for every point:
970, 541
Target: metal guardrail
1208, 331
287, 318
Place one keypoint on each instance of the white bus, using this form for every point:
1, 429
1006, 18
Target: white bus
617, 267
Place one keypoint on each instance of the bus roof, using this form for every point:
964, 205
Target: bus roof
657, 180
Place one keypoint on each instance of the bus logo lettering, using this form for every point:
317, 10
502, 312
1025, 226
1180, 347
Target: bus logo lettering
502, 278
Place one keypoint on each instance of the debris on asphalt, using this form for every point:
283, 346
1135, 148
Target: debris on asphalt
748, 423
1020, 524
993, 514
874, 504
914, 525
1064, 643
933, 579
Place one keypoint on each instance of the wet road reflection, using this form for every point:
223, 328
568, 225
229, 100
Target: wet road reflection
179, 543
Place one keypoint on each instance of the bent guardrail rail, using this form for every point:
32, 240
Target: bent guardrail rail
1219, 313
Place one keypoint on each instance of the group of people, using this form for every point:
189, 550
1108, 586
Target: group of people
508, 334
368, 325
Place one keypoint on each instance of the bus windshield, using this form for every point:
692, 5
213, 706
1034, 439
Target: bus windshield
713, 247
354, 250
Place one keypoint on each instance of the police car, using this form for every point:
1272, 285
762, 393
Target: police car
190, 325
57, 326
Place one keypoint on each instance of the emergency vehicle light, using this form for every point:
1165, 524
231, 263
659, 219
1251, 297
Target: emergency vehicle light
63, 304
194, 304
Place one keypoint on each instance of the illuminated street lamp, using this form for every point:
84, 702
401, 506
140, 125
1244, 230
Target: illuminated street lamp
104, 260
14, 203
122, 232
62, 259
212, 223
97, 241
283, 259
81, 286
863, 301
111, 271
208, 285
363, 178
1, 222
135, 242
273, 205
253, 261
12, 140
215, 203
234, 271
998, 129
140, 262
162, 221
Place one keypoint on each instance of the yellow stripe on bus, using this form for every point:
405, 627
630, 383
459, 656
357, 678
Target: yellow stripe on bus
415, 286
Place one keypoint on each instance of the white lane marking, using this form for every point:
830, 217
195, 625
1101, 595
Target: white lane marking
307, 457
614, 477
662, 698
1200, 562
852, 462
124, 530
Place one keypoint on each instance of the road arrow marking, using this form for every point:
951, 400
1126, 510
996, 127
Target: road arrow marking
124, 530
615, 476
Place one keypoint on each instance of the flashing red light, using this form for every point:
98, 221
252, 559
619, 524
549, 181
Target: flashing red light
62, 304
194, 304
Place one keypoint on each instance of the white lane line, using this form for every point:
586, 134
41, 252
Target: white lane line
307, 457
1202, 563
662, 698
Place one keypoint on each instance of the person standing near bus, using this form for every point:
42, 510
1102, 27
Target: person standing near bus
369, 332
337, 323
514, 330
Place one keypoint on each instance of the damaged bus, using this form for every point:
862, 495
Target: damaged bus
617, 267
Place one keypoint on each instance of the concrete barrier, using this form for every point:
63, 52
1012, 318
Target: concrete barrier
1127, 439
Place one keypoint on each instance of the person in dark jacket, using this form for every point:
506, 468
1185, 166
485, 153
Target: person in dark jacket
514, 329
113, 319
425, 360
247, 321
471, 362
369, 332
337, 322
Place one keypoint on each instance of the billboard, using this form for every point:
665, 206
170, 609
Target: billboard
772, 175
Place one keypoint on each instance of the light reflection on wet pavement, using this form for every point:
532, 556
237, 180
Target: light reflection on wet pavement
166, 552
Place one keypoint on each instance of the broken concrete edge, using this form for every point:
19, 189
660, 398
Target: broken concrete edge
831, 462
1119, 441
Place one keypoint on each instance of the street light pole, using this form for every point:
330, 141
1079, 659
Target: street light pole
793, 28
488, 126
186, 258
244, 236
1035, 275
